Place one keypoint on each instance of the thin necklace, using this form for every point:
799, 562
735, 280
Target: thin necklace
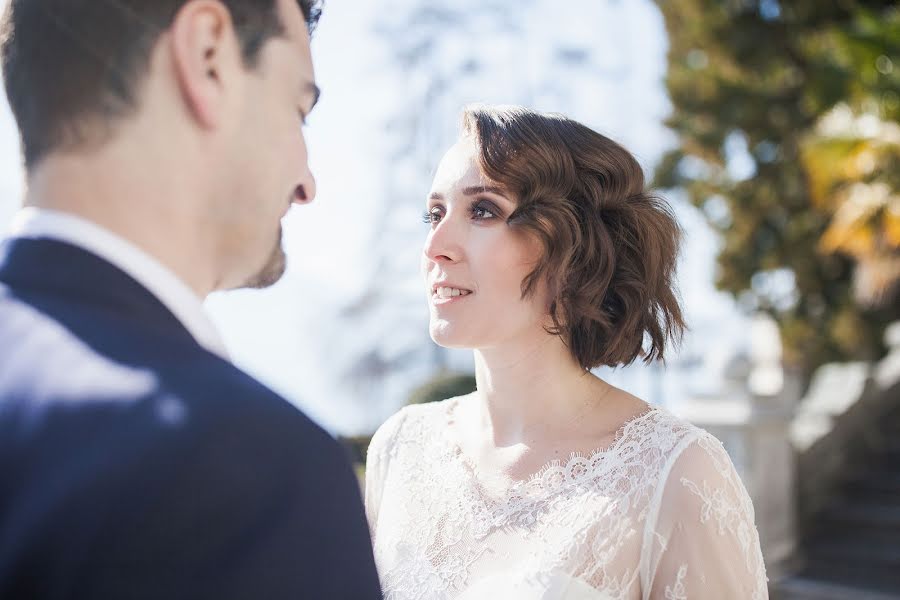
588, 404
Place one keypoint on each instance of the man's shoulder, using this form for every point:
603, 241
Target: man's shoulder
123, 373
231, 397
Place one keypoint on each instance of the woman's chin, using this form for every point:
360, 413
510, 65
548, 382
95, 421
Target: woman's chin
445, 335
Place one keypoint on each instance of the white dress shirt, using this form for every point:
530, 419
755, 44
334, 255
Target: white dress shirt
157, 279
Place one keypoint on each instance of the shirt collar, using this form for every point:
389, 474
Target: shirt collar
160, 281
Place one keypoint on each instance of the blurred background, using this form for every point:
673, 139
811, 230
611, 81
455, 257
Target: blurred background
771, 126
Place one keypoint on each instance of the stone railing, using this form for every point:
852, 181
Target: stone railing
752, 415
832, 430
792, 451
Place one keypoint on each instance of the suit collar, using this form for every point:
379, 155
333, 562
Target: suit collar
68, 272
146, 270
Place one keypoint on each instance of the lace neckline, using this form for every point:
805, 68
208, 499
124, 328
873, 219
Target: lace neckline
553, 476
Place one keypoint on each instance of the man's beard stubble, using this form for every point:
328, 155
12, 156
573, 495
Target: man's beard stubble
272, 270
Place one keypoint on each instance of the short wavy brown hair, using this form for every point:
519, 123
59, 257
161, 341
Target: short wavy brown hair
609, 245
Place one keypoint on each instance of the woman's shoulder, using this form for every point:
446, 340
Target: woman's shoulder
413, 418
668, 445
693, 454
684, 435
682, 458
661, 429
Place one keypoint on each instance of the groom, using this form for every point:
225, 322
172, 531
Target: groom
162, 142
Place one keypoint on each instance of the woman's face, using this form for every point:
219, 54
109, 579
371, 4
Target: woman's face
473, 262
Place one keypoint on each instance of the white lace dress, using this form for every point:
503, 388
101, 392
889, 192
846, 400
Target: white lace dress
659, 513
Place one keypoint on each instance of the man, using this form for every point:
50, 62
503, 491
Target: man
163, 144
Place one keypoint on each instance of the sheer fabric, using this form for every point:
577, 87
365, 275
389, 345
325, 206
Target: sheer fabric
660, 513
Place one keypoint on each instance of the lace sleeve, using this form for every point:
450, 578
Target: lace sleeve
378, 459
701, 540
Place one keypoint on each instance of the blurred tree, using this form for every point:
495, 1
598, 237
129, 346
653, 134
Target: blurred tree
806, 208
444, 385
853, 164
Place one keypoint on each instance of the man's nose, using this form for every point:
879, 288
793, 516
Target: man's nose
306, 189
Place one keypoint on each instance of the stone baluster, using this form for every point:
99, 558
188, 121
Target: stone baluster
752, 415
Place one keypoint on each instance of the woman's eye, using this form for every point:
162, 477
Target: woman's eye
482, 212
431, 216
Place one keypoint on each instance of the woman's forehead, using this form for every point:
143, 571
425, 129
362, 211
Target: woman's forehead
460, 167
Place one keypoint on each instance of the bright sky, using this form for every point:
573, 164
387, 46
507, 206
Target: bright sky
328, 242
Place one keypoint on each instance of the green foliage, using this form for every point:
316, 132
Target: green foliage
755, 78
442, 386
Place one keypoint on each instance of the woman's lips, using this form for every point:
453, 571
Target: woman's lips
446, 294
440, 301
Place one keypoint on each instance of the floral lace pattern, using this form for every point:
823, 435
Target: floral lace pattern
676, 592
659, 513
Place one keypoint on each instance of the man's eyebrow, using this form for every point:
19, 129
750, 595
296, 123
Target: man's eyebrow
312, 90
436, 196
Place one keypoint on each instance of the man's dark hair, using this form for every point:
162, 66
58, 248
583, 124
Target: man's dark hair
67, 63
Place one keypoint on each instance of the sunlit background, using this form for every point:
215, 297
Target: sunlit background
771, 126
344, 334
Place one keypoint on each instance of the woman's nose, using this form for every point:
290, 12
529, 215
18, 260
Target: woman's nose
442, 244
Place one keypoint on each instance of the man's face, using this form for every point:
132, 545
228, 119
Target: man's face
268, 169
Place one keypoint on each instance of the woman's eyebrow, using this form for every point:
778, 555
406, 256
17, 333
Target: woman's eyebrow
472, 191
483, 189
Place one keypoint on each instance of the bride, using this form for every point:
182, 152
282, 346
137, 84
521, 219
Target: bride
548, 258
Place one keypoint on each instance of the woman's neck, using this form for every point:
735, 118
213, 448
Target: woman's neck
533, 388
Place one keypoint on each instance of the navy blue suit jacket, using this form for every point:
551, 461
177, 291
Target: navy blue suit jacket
135, 464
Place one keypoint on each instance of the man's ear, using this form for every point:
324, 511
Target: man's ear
206, 58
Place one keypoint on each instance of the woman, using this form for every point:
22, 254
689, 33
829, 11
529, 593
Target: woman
548, 258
